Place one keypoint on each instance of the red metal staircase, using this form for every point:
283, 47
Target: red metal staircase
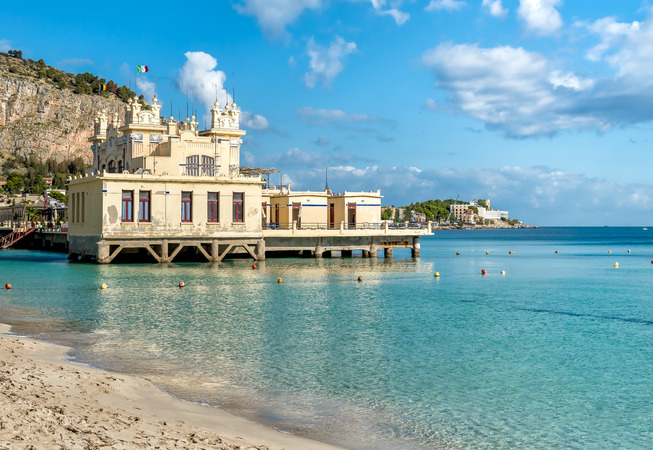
15, 236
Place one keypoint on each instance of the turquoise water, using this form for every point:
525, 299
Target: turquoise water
555, 353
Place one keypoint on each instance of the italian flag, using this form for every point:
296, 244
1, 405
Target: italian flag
142, 69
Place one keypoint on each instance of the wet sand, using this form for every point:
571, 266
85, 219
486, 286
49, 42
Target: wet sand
47, 402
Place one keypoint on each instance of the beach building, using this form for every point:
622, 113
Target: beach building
167, 189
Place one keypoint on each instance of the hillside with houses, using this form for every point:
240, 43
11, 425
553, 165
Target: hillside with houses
452, 213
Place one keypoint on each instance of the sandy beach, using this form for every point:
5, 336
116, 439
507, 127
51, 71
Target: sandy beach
47, 402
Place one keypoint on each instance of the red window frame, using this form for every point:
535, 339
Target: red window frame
127, 206
213, 207
238, 206
186, 206
144, 210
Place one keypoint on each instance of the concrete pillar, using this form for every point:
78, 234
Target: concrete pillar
103, 252
165, 258
215, 251
318, 251
374, 251
416, 248
387, 252
260, 250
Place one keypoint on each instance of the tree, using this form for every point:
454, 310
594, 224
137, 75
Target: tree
59, 181
386, 214
483, 203
40, 64
58, 196
77, 166
15, 53
15, 182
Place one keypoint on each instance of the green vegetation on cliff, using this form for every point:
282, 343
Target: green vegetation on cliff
81, 83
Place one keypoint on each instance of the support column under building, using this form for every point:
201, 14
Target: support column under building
387, 252
416, 248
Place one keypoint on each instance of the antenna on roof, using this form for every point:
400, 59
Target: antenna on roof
187, 103
326, 172
216, 91
233, 86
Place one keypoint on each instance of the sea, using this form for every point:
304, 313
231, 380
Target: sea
551, 348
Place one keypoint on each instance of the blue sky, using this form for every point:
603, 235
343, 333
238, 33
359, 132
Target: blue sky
543, 106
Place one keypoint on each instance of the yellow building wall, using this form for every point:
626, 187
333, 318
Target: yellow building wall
103, 207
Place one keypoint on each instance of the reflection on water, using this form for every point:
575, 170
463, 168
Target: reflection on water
552, 354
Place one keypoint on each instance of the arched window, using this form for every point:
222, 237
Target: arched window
112, 167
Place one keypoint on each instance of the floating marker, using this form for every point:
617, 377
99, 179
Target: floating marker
609, 251
279, 280
556, 251
628, 251
437, 275
487, 253
360, 278
510, 253
503, 272
616, 264
254, 266
457, 253
483, 272
8, 285
182, 284
103, 286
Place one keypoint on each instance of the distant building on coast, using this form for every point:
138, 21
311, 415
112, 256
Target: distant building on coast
465, 213
165, 188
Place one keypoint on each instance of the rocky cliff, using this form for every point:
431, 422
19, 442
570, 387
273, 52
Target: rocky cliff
39, 117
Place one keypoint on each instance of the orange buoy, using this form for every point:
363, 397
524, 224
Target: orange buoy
457, 253
503, 272
483, 272
360, 278
182, 284
437, 275
628, 251
254, 266
487, 253
8, 285
556, 251
609, 251
279, 280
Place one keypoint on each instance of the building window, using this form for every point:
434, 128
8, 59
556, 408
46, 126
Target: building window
186, 207
238, 206
208, 166
144, 206
213, 207
193, 165
127, 206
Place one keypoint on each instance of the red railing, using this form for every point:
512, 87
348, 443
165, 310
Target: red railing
15, 236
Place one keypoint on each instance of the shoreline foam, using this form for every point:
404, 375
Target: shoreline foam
47, 401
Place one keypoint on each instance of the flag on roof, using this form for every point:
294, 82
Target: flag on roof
104, 87
142, 69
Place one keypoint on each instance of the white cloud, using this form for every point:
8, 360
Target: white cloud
569, 80
448, 5
198, 78
512, 89
202, 82
400, 17
274, 15
326, 62
540, 16
5, 45
320, 115
146, 87
495, 8
253, 121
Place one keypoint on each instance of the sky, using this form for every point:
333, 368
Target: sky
543, 106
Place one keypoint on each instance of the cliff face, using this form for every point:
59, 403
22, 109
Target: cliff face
37, 117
